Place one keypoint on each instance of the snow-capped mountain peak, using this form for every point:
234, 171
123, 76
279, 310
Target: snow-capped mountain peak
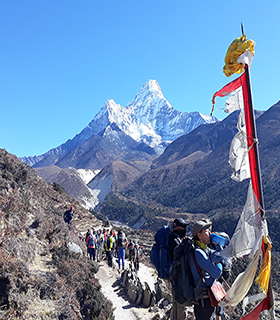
149, 92
152, 87
148, 118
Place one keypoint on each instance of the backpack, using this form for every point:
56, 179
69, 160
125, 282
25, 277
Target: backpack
91, 242
159, 254
130, 247
180, 273
138, 250
121, 239
109, 244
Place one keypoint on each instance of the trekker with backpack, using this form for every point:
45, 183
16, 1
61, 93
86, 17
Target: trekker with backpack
203, 268
175, 238
109, 248
100, 240
86, 236
121, 245
91, 243
133, 250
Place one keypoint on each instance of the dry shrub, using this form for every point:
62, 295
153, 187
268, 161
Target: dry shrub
78, 273
93, 304
14, 283
73, 271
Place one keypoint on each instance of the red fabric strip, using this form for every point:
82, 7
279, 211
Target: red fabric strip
254, 314
227, 89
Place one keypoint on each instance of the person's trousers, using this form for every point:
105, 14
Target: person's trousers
121, 256
91, 252
178, 311
99, 251
203, 310
136, 264
110, 257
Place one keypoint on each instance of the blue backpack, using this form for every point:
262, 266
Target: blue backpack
91, 241
159, 254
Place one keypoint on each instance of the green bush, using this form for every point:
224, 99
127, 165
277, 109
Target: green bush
93, 266
57, 187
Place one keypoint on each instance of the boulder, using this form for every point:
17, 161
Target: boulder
140, 295
147, 296
132, 292
75, 248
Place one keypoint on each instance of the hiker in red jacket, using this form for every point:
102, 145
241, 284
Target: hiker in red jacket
91, 243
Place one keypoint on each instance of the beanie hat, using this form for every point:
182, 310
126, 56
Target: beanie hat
179, 222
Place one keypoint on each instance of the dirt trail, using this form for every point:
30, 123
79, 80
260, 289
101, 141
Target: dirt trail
110, 281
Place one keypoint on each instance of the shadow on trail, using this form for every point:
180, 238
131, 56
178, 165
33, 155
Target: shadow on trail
120, 290
128, 307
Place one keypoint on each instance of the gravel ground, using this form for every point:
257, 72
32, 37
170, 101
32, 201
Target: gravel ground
110, 280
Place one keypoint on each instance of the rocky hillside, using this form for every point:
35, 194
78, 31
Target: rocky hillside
42, 272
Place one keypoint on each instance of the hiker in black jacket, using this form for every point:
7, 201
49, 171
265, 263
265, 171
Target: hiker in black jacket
68, 216
175, 238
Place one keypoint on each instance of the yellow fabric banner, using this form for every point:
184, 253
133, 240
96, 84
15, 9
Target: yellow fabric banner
236, 49
264, 274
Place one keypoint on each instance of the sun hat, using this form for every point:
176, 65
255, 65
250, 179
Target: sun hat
200, 225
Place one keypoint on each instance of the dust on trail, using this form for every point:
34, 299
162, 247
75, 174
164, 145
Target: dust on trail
110, 280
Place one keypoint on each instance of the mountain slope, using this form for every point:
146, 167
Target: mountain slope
118, 175
73, 182
100, 150
193, 173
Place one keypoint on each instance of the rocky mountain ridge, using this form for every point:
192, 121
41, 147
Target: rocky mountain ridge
126, 136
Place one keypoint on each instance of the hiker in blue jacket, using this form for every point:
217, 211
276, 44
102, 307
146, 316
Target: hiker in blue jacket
91, 243
210, 266
121, 245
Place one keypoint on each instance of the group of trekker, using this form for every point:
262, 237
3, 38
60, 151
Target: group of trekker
95, 242
205, 265
113, 244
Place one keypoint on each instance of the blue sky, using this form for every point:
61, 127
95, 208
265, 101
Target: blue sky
61, 60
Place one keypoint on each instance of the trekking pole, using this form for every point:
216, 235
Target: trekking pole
225, 282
